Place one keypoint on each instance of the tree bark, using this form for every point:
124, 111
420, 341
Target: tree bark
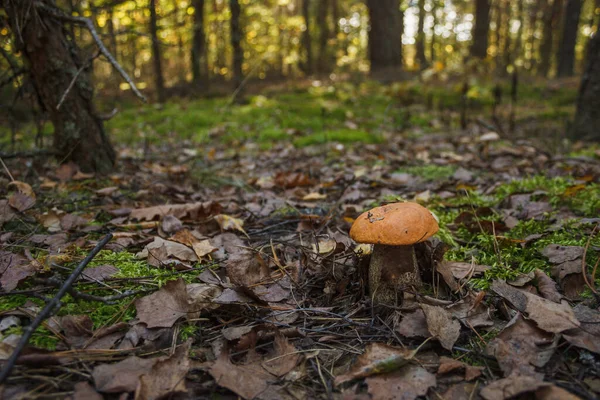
420, 44
480, 29
54, 62
199, 64
550, 18
307, 63
159, 81
236, 44
587, 117
385, 35
566, 52
322, 20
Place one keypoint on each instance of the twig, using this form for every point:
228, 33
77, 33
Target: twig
7, 170
584, 264
51, 306
79, 71
28, 154
57, 13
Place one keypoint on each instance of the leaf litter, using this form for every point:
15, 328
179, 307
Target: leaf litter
254, 288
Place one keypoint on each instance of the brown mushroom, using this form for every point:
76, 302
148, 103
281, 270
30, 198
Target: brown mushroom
393, 229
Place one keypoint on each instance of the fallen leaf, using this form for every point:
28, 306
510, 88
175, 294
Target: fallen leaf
521, 346
378, 358
192, 211
284, 357
247, 381
163, 308
414, 324
228, 223
84, 391
549, 316
13, 269
246, 269
122, 376
166, 377
314, 196
99, 273
408, 383
441, 325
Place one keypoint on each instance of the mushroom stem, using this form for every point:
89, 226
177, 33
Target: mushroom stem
391, 269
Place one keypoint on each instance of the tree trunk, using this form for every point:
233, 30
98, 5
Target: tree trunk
323, 61
385, 35
236, 44
551, 18
159, 82
420, 44
53, 62
587, 117
307, 63
434, 8
566, 53
199, 72
480, 29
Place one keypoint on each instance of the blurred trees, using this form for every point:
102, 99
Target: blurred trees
587, 118
385, 35
165, 43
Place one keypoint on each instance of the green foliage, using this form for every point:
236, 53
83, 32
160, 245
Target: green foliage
430, 172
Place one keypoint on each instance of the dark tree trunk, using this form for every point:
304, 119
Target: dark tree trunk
236, 43
385, 35
434, 8
587, 118
322, 21
550, 18
566, 53
420, 45
307, 63
480, 29
53, 62
159, 82
199, 64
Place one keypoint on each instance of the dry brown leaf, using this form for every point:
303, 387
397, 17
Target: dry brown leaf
549, 316
166, 377
247, 381
163, 308
193, 211
24, 197
547, 286
229, 223
378, 358
521, 346
201, 296
441, 325
283, 359
408, 383
13, 269
246, 269
414, 324
122, 376
84, 391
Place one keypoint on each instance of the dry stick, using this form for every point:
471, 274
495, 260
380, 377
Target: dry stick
79, 71
584, 264
57, 13
51, 306
7, 170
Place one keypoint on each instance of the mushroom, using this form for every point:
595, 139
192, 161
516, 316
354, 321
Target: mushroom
393, 229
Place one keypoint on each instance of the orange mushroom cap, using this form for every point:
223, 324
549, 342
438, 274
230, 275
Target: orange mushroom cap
396, 224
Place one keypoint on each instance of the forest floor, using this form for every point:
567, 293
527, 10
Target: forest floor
231, 273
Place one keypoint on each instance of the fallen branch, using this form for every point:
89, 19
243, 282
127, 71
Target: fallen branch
52, 306
58, 14
28, 154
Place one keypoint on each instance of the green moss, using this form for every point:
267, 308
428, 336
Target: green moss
340, 135
430, 172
